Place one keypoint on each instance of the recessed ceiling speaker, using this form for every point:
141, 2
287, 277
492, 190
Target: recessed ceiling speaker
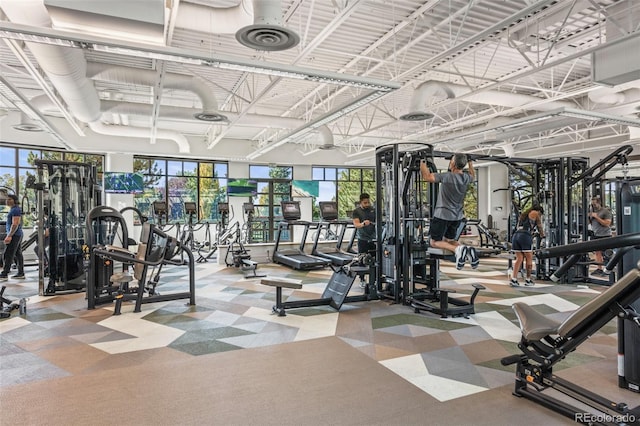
267, 32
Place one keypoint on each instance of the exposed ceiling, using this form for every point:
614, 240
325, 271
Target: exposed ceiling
504, 77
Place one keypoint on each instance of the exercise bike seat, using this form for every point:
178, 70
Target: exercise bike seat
533, 324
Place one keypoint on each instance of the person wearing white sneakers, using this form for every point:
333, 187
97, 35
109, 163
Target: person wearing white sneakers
522, 243
448, 212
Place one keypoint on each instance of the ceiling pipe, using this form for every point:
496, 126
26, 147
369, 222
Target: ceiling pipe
66, 69
326, 138
141, 132
122, 109
214, 20
436, 89
187, 114
142, 77
613, 97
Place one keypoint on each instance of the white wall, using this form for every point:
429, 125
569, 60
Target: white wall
497, 203
121, 163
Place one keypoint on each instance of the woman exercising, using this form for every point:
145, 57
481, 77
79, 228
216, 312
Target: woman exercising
522, 242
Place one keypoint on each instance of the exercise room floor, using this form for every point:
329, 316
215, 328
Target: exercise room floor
229, 361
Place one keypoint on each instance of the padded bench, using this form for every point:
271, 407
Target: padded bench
279, 283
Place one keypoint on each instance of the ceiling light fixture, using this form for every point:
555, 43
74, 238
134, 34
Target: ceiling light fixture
139, 50
319, 122
523, 122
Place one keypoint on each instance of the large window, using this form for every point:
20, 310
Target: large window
176, 181
343, 185
274, 185
17, 163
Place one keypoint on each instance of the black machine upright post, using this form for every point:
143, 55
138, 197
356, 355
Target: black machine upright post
628, 221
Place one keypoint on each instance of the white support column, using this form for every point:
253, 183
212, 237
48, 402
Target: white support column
120, 163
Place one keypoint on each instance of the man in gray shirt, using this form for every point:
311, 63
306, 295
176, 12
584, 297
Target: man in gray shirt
448, 213
600, 220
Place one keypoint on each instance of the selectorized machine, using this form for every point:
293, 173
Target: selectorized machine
109, 240
69, 191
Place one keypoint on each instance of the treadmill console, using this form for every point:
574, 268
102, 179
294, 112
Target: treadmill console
248, 208
223, 208
329, 210
190, 207
290, 210
160, 208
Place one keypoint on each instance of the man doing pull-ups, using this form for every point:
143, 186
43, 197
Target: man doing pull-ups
448, 212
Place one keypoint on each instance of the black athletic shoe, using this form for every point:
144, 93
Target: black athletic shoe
529, 283
4, 277
514, 282
475, 259
18, 276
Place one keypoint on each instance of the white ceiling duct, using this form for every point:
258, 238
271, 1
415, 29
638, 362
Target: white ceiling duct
267, 32
437, 89
326, 138
66, 69
214, 20
141, 132
611, 96
135, 20
27, 125
125, 75
179, 113
425, 91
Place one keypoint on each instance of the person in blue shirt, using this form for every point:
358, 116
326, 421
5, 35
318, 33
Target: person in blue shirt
448, 212
13, 239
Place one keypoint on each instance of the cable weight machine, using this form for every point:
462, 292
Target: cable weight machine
69, 191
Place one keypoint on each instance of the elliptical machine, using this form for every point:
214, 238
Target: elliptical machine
222, 234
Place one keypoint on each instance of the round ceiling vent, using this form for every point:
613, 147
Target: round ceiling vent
213, 117
417, 116
28, 127
267, 37
327, 147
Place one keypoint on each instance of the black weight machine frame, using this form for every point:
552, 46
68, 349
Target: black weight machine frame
102, 254
404, 204
546, 341
60, 225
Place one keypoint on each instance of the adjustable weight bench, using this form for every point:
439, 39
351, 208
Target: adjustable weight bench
545, 342
448, 306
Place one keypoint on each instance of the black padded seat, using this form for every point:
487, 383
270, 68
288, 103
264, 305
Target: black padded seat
439, 251
533, 324
536, 326
602, 301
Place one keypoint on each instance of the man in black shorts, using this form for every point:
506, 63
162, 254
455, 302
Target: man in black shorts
364, 218
448, 213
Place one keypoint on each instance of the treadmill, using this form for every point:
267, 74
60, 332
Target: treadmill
329, 214
295, 258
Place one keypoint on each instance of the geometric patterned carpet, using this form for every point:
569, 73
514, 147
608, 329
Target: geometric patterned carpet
445, 358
